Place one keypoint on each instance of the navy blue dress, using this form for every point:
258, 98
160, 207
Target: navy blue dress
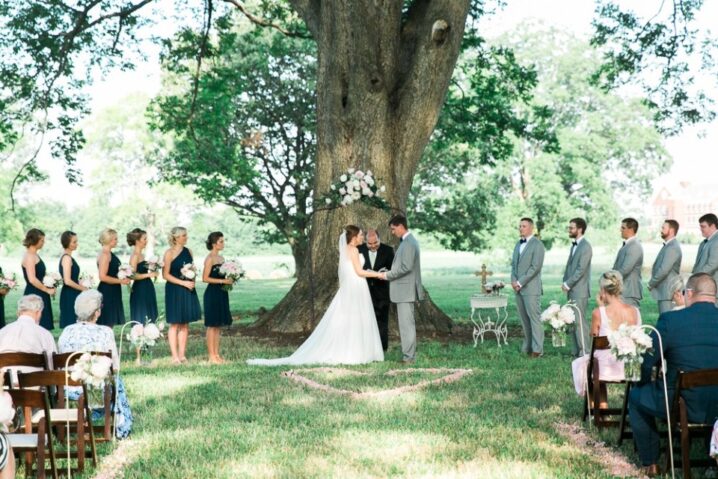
113, 312
216, 302
68, 295
143, 300
181, 304
46, 320
2, 308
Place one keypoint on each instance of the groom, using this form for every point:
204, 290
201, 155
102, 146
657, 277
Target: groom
405, 285
378, 257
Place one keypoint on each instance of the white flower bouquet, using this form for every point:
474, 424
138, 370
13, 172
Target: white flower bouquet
153, 265
629, 344
233, 270
52, 280
8, 282
87, 280
353, 186
189, 271
146, 336
91, 369
559, 317
125, 272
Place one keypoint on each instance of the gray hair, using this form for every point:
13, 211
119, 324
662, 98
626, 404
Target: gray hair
87, 304
30, 302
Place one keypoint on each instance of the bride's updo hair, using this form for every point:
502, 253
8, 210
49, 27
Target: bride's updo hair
611, 282
351, 231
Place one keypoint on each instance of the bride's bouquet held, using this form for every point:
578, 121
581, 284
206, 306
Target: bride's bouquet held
559, 317
629, 344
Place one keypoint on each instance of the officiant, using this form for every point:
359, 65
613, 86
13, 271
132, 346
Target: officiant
377, 256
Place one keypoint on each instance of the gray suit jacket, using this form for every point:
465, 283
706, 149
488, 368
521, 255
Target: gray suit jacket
629, 262
405, 275
578, 271
707, 258
665, 269
526, 267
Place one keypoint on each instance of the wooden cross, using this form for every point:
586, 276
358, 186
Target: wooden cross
484, 274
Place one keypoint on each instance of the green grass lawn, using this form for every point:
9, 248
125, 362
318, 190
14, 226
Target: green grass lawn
230, 421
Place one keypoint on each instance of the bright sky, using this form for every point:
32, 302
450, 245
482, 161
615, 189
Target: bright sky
694, 152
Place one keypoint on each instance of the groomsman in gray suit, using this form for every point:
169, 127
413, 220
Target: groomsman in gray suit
629, 262
526, 265
707, 257
405, 286
666, 268
577, 281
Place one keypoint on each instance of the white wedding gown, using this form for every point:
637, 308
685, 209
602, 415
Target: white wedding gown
347, 333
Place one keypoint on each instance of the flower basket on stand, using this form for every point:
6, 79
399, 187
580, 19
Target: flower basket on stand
559, 317
629, 344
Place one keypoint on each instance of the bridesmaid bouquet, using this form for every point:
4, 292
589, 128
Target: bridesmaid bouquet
91, 369
8, 282
153, 265
87, 280
232, 270
52, 280
629, 344
559, 317
125, 272
189, 271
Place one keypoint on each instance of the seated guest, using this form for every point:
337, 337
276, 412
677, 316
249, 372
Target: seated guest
26, 335
677, 287
611, 313
87, 335
690, 342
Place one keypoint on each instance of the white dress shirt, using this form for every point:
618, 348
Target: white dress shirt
26, 336
372, 257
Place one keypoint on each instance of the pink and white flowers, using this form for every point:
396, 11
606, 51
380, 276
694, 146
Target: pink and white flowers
146, 336
189, 271
629, 343
52, 280
353, 186
8, 282
233, 270
91, 369
125, 272
87, 280
559, 317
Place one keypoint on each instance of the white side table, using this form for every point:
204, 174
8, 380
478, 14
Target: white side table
493, 319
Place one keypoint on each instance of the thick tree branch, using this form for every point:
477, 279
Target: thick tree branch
262, 22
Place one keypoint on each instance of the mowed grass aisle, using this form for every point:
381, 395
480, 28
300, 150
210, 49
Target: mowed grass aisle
202, 421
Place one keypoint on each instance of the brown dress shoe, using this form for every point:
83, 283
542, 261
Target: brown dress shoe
536, 355
652, 470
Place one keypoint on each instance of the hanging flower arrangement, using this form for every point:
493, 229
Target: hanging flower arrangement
355, 186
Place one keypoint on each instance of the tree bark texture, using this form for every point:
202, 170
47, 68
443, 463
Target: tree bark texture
382, 78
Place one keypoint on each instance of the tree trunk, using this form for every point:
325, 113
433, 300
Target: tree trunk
382, 78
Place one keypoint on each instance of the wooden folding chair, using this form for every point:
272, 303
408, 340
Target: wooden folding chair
591, 404
79, 417
109, 395
31, 360
681, 426
39, 443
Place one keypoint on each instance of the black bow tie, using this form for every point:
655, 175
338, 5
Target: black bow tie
705, 240
575, 243
624, 243
665, 243
523, 240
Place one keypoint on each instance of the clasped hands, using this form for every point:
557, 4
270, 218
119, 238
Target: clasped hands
382, 274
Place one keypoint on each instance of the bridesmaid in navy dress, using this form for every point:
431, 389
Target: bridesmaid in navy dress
3, 292
108, 264
216, 299
33, 270
181, 301
143, 300
70, 272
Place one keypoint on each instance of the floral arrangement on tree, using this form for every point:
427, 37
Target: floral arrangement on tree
233, 270
629, 344
52, 280
559, 317
494, 288
125, 272
189, 271
8, 282
91, 369
354, 186
87, 280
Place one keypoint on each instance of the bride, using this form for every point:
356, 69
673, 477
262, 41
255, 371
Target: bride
347, 333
